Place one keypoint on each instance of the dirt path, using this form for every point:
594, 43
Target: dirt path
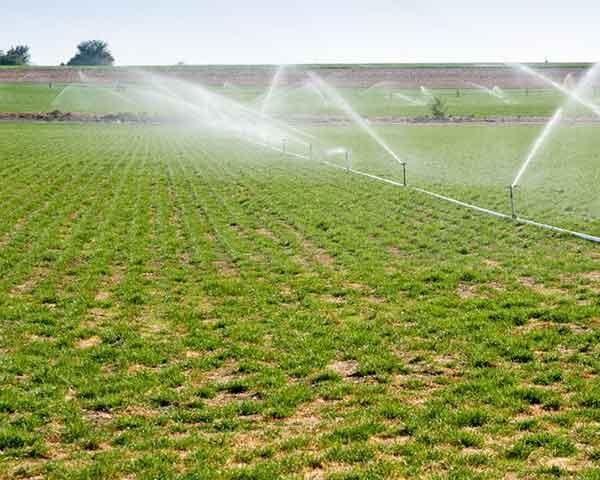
74, 117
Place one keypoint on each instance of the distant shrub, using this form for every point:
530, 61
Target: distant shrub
438, 108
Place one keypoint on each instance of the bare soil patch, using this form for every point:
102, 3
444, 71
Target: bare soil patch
400, 76
332, 299
347, 368
541, 288
466, 291
226, 268
102, 296
89, 343
324, 258
58, 116
142, 118
37, 275
265, 232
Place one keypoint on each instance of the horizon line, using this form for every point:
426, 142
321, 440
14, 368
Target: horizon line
317, 64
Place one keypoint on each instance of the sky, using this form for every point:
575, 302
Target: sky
143, 32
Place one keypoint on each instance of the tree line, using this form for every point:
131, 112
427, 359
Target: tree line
89, 53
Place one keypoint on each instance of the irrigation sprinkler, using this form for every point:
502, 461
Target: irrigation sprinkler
486, 211
513, 207
470, 206
404, 182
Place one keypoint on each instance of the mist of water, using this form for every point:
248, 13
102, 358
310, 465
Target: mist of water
575, 96
272, 87
311, 87
381, 85
493, 92
82, 76
427, 93
345, 107
538, 144
202, 108
569, 81
58, 99
410, 100
386, 87
330, 152
565, 91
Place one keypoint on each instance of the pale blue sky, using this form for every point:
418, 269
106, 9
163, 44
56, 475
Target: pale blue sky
268, 31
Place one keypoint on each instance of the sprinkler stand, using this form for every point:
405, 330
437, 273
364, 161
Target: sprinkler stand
404, 174
513, 208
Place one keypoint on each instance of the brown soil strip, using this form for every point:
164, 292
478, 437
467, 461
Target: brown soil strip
141, 118
397, 76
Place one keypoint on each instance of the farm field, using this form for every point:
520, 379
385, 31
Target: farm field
476, 163
179, 305
379, 102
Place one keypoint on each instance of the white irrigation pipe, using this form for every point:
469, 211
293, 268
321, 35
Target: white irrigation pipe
584, 236
470, 206
460, 203
364, 174
275, 149
454, 201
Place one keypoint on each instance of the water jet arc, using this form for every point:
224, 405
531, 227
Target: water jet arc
548, 129
343, 105
272, 87
572, 95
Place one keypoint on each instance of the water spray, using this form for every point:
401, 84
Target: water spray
232, 118
426, 92
493, 92
412, 101
575, 96
273, 86
345, 107
539, 143
222, 114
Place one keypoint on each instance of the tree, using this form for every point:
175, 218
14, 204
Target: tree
18, 55
92, 52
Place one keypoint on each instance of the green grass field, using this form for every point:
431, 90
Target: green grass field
175, 305
24, 97
476, 163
